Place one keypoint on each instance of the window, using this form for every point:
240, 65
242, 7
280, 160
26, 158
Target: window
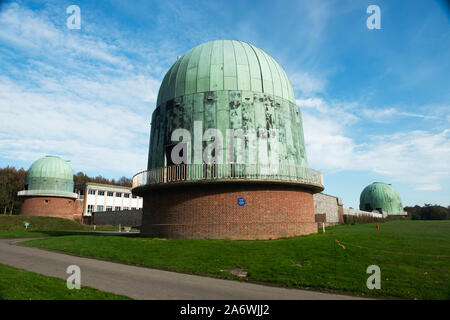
119, 194
108, 208
133, 208
133, 196
92, 191
110, 193
126, 195
101, 193
99, 208
125, 208
116, 208
90, 207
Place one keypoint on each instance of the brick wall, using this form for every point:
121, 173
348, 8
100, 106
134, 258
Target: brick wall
341, 213
329, 205
212, 211
129, 218
52, 207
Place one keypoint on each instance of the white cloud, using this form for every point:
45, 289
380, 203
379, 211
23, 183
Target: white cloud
307, 83
429, 187
418, 157
85, 101
390, 114
24, 29
93, 134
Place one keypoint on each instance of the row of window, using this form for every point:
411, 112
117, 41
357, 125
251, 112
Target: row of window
111, 193
90, 208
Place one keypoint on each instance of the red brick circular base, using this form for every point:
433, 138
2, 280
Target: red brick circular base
51, 207
212, 211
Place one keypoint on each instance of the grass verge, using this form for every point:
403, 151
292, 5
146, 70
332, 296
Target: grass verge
13, 227
414, 257
18, 284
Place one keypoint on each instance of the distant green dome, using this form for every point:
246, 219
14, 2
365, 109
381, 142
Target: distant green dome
382, 196
50, 173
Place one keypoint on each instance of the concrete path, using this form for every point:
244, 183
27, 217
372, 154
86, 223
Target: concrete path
146, 283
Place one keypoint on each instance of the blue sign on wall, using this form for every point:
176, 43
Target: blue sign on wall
241, 201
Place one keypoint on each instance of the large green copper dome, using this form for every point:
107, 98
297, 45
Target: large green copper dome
226, 129
225, 65
227, 84
382, 196
50, 173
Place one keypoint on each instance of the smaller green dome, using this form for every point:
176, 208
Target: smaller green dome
379, 195
50, 173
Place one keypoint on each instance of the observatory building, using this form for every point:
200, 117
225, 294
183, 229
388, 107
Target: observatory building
227, 156
48, 190
381, 197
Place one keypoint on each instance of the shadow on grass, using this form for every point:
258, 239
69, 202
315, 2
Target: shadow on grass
55, 233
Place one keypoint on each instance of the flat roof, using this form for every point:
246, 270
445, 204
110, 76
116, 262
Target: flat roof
105, 186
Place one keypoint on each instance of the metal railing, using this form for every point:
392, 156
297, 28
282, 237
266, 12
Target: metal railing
228, 171
50, 193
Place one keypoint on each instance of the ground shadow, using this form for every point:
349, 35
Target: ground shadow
55, 233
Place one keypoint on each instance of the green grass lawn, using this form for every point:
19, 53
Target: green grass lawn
17, 284
13, 227
407, 270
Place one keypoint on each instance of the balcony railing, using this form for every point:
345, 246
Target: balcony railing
48, 193
233, 171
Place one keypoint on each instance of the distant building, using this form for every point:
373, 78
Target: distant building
257, 184
48, 190
361, 213
98, 197
333, 209
331, 206
381, 197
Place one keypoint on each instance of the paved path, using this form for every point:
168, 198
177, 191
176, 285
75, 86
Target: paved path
145, 283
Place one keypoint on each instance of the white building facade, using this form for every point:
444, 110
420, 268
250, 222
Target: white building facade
102, 197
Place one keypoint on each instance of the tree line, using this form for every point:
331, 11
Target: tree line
428, 212
12, 180
81, 178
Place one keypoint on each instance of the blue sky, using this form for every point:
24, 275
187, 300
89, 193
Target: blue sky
375, 103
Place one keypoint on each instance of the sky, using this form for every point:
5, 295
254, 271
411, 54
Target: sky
375, 102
